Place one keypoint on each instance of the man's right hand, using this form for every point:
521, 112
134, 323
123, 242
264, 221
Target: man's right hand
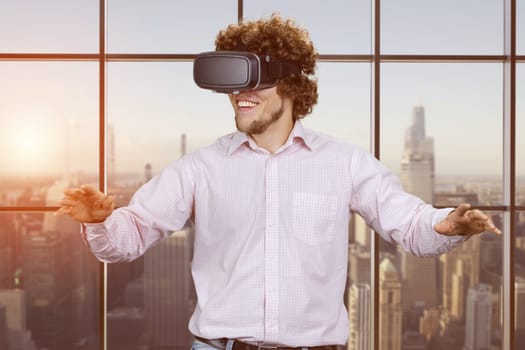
86, 204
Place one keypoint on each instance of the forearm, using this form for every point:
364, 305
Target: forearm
421, 239
120, 238
399, 217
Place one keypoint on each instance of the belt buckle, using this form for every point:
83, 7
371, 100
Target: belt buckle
264, 346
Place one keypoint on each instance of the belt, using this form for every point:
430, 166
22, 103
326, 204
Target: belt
220, 343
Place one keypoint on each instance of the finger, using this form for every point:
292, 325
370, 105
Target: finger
477, 214
106, 204
74, 192
97, 204
68, 202
62, 211
90, 190
462, 209
492, 228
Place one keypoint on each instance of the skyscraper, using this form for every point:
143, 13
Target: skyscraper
14, 301
359, 315
460, 268
168, 291
4, 343
519, 300
417, 163
7, 251
390, 317
112, 170
478, 317
60, 279
419, 275
359, 264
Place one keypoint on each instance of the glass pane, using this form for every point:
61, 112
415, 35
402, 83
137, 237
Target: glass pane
444, 27
520, 134
441, 129
49, 118
166, 26
343, 108
520, 27
156, 114
520, 200
519, 287
451, 301
53, 26
351, 18
357, 296
48, 284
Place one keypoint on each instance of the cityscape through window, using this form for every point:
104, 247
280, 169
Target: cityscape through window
101, 92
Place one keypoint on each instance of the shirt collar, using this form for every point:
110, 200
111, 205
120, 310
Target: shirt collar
298, 133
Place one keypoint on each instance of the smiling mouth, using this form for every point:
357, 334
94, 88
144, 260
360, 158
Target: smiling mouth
246, 105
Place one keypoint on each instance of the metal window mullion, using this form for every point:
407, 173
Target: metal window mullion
240, 11
509, 172
102, 166
375, 148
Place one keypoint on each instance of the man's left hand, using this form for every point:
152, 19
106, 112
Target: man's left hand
466, 221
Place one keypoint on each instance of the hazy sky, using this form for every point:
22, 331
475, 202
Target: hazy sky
45, 106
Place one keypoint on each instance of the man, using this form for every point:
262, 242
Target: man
271, 204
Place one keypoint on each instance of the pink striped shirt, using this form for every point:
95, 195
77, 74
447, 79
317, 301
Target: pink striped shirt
271, 232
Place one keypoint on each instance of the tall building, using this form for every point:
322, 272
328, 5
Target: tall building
148, 172
48, 284
519, 300
457, 296
359, 316
361, 231
429, 323
112, 168
4, 341
460, 268
417, 163
14, 301
183, 145
478, 317
7, 251
359, 264
413, 340
419, 275
60, 280
169, 297
390, 309
519, 316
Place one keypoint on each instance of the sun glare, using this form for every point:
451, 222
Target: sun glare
28, 143
28, 148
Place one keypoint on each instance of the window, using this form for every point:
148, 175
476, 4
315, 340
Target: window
75, 112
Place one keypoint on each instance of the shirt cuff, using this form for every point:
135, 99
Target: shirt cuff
446, 242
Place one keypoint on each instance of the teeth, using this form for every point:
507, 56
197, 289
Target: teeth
244, 103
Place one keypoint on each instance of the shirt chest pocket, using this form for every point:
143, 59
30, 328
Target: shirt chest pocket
314, 217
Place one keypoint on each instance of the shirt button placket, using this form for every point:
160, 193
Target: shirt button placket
271, 250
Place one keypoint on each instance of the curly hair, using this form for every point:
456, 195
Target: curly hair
283, 39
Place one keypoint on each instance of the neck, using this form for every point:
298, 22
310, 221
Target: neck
275, 136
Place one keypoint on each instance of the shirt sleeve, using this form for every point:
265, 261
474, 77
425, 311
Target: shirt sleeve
158, 208
399, 217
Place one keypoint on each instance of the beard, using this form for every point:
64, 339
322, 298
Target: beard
260, 126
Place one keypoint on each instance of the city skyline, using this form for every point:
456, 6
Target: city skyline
46, 103
49, 140
138, 292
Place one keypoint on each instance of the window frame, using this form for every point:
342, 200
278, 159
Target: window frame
510, 208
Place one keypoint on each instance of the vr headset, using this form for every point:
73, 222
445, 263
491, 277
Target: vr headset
234, 71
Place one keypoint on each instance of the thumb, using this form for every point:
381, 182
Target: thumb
461, 209
444, 227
